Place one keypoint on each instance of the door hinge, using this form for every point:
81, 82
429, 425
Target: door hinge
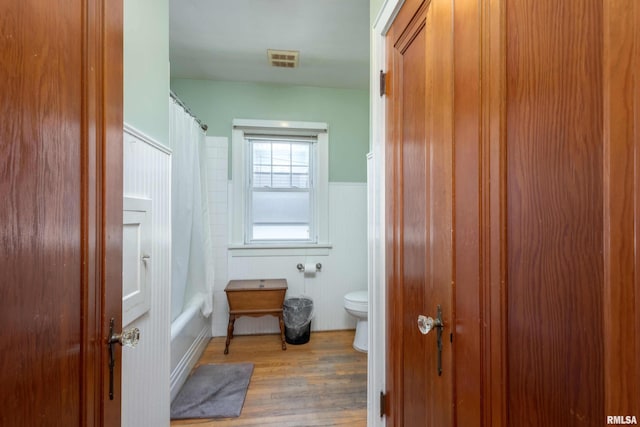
383, 83
383, 404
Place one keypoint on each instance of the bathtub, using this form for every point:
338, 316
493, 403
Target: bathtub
190, 333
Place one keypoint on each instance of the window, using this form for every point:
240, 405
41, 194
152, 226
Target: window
280, 191
280, 179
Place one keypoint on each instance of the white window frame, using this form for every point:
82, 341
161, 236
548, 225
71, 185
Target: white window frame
311, 189
239, 194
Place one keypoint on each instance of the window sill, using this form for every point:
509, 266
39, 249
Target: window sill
289, 249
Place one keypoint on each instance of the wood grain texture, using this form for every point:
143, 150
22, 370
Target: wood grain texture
321, 383
469, 232
636, 59
480, 246
635, 404
621, 202
419, 208
110, 129
40, 154
554, 213
494, 215
442, 282
414, 270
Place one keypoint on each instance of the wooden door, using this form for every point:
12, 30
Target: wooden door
61, 187
419, 212
546, 182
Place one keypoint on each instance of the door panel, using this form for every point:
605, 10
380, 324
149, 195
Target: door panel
415, 230
419, 122
60, 177
554, 213
40, 217
469, 200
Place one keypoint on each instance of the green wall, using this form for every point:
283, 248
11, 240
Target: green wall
346, 112
146, 67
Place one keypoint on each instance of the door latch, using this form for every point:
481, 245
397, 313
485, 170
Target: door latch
128, 337
426, 324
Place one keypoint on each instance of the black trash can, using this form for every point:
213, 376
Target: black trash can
297, 313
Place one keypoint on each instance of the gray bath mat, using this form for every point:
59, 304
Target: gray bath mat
213, 391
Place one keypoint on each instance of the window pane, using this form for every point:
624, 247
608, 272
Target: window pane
262, 176
300, 154
281, 164
261, 153
273, 206
281, 153
261, 164
281, 216
300, 176
280, 232
281, 177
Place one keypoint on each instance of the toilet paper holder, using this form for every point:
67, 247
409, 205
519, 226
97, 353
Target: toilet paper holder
301, 269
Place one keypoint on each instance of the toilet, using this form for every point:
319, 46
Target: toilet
357, 304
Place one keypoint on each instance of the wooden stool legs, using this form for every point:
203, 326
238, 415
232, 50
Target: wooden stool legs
284, 343
232, 320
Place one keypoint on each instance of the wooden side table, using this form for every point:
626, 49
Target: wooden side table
255, 298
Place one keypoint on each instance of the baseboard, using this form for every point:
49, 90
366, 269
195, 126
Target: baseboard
188, 361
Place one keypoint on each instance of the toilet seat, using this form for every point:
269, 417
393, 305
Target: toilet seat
357, 304
357, 301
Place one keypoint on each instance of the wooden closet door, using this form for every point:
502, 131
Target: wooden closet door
419, 211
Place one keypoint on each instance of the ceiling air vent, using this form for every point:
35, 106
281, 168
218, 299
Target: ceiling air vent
283, 58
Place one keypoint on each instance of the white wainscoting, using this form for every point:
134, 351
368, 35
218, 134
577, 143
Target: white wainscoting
344, 266
145, 369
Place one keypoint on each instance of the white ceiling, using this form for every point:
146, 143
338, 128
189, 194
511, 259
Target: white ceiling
228, 40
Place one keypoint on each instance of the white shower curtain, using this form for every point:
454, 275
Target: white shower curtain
192, 253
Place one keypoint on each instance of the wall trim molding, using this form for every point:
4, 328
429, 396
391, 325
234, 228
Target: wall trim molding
346, 184
386, 15
141, 136
376, 174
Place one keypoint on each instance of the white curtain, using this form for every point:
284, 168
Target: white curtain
192, 253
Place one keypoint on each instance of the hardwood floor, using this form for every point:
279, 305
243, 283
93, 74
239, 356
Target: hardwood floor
321, 383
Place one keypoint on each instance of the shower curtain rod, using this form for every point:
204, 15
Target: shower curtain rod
172, 94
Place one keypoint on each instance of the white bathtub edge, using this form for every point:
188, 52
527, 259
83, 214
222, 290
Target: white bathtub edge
181, 372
